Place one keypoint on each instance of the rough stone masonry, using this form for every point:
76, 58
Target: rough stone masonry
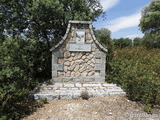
78, 57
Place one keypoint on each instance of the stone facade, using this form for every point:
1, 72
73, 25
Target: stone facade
83, 64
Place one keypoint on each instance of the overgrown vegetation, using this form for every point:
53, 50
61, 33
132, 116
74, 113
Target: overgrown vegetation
150, 24
28, 29
21, 69
137, 70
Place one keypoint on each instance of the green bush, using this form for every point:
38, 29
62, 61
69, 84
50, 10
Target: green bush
137, 70
20, 61
122, 43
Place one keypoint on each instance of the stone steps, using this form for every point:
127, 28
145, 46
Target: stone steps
73, 90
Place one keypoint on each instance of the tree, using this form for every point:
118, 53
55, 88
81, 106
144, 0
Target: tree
44, 20
137, 41
51, 21
14, 16
150, 24
150, 41
16, 76
150, 21
103, 35
27, 29
122, 43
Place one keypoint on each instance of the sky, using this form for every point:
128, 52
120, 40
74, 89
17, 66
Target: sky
123, 17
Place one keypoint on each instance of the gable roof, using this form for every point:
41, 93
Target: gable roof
67, 32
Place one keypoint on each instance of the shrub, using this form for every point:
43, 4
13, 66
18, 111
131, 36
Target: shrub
85, 95
138, 71
19, 62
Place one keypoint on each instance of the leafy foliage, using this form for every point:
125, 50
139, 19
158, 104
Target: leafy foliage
138, 71
44, 20
137, 41
150, 21
19, 73
104, 36
14, 16
122, 43
150, 24
28, 28
151, 40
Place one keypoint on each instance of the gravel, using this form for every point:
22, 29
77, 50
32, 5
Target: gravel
116, 107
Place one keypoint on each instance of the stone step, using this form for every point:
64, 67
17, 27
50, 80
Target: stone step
58, 85
74, 90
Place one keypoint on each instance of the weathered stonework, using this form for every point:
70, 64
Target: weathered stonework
78, 64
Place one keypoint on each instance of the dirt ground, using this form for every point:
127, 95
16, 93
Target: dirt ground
116, 107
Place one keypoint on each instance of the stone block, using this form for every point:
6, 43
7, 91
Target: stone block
90, 73
82, 89
57, 67
59, 61
54, 60
103, 60
67, 63
54, 73
68, 85
60, 73
107, 85
84, 74
73, 54
76, 68
78, 85
74, 89
57, 85
102, 73
92, 85
63, 88
100, 55
99, 67
67, 54
99, 79
68, 74
98, 61
57, 54
64, 97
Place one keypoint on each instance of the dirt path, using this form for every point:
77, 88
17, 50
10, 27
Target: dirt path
116, 107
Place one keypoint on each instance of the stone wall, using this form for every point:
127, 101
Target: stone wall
78, 65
